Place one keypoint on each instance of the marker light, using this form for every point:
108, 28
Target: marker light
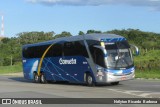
103, 44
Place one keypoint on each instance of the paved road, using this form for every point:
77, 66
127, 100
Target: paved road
17, 87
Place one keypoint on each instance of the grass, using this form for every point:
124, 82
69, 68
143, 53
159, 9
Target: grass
148, 74
10, 69
150, 55
144, 60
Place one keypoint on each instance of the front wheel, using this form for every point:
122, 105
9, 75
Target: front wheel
89, 80
36, 78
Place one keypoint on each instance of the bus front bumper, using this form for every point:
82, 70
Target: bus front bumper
115, 78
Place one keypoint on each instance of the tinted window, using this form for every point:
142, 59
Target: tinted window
80, 48
98, 56
123, 45
76, 48
92, 42
38, 51
34, 52
25, 53
117, 45
55, 51
69, 49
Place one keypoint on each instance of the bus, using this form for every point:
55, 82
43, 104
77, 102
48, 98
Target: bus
87, 59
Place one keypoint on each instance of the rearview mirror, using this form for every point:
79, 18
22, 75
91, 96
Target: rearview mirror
134, 49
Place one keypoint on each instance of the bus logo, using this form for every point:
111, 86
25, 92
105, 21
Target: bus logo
67, 61
6, 101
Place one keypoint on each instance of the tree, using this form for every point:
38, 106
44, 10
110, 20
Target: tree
5, 40
34, 37
63, 34
93, 31
81, 33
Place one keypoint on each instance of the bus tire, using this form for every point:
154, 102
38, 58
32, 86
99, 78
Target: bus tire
89, 80
36, 78
115, 83
43, 79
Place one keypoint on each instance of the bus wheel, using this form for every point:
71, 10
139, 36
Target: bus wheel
115, 83
36, 78
43, 79
89, 80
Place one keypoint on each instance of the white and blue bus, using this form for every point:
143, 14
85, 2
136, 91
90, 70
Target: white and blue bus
89, 59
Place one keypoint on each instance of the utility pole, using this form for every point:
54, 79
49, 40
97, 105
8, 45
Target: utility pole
11, 61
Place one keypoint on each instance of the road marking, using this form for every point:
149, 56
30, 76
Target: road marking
145, 94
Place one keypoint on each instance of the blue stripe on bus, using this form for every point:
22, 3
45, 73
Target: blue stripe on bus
113, 39
124, 71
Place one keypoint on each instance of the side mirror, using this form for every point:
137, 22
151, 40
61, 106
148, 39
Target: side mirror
134, 49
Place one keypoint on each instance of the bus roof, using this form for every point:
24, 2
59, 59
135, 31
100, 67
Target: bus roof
98, 37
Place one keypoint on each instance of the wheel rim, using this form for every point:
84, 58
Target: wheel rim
42, 78
90, 80
36, 77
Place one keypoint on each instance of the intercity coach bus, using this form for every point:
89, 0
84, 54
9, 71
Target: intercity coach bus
88, 59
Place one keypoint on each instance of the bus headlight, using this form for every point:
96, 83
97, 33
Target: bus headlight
110, 73
132, 71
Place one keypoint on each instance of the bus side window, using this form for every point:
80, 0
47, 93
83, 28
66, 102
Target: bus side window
39, 50
98, 57
56, 50
80, 49
69, 49
25, 53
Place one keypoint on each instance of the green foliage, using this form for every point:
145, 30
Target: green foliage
5, 40
149, 61
63, 34
93, 31
33, 37
148, 64
147, 74
81, 33
10, 69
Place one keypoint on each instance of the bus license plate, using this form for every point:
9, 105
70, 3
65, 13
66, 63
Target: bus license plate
123, 78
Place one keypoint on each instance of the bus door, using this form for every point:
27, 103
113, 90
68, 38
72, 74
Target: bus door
98, 56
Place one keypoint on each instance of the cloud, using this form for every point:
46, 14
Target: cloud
59, 2
155, 4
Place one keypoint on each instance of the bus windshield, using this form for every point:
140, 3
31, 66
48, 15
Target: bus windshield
118, 55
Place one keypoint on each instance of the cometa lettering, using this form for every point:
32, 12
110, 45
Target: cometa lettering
66, 61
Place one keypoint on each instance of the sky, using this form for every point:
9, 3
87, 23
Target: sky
79, 15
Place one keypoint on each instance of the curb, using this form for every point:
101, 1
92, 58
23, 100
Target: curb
147, 78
